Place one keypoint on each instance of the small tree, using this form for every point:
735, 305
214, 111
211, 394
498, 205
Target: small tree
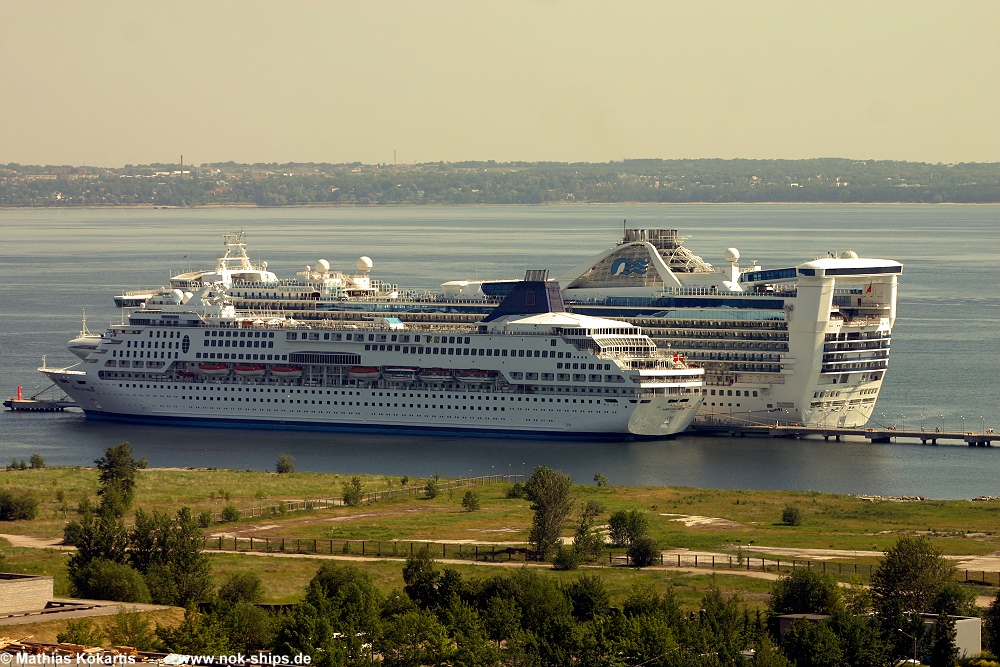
36, 461
470, 501
285, 464
805, 591
130, 628
600, 480
118, 470
433, 486
912, 575
588, 596
589, 542
791, 515
549, 493
627, 526
230, 514
354, 492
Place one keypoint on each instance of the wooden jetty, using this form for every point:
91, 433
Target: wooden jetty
875, 435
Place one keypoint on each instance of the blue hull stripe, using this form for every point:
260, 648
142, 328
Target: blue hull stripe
292, 425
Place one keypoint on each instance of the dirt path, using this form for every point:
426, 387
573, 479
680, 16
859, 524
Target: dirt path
36, 542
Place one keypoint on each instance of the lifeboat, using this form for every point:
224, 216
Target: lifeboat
213, 369
186, 374
400, 373
286, 371
435, 375
249, 370
476, 376
364, 372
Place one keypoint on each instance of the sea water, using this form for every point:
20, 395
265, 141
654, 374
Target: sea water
943, 366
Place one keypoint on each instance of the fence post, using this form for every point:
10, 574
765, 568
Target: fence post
678, 560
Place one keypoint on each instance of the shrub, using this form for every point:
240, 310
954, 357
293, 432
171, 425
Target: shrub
568, 558
17, 505
205, 519
470, 501
36, 461
81, 631
516, 490
644, 552
404, 480
600, 480
106, 580
242, 587
230, 514
791, 515
286, 464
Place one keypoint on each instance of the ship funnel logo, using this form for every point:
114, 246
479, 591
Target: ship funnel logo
624, 266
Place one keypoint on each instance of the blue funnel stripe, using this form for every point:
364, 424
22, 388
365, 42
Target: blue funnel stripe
530, 297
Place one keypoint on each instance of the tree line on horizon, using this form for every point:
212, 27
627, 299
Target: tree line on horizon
822, 180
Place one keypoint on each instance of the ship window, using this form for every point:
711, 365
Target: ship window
520, 353
503, 353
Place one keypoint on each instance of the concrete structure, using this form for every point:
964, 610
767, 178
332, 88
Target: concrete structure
968, 633
24, 592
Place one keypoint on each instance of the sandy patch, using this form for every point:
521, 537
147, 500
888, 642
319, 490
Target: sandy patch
693, 520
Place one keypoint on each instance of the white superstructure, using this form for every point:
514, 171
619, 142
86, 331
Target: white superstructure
529, 369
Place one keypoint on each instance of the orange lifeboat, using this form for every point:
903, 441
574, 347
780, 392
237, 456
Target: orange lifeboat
364, 372
286, 371
213, 369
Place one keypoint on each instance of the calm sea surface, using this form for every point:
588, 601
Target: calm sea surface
943, 369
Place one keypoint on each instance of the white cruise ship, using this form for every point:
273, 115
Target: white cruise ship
529, 369
805, 344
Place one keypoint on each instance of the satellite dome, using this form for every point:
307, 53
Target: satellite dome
176, 296
323, 265
849, 254
364, 264
732, 255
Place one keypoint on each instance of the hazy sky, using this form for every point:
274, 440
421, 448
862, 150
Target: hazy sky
111, 83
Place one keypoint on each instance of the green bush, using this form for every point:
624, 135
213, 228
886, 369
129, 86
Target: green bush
106, 580
644, 552
230, 514
81, 631
568, 558
17, 505
36, 461
791, 515
516, 490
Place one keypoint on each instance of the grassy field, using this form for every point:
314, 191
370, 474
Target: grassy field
742, 517
731, 517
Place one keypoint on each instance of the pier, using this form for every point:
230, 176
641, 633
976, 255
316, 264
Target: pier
874, 435
38, 404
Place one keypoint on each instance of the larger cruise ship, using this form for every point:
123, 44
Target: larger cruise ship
529, 368
802, 344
